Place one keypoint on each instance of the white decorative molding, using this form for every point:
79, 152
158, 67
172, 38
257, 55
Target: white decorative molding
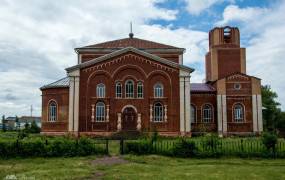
73, 118
254, 114
224, 114
184, 89
165, 113
220, 116
259, 113
129, 106
139, 121
107, 113
238, 76
71, 103
150, 113
119, 122
134, 50
92, 114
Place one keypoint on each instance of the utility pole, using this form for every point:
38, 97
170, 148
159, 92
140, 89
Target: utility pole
31, 110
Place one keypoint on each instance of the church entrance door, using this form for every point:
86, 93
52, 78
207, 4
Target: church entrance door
129, 120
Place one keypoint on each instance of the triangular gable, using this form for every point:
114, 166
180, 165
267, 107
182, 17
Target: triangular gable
129, 49
238, 74
131, 42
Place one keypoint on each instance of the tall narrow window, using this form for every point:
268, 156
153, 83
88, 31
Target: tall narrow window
129, 88
118, 90
158, 90
207, 113
52, 114
100, 112
140, 90
238, 113
193, 113
100, 90
158, 112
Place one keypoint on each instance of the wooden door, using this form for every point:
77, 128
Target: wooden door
129, 121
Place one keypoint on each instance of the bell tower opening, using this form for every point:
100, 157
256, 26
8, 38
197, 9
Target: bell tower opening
225, 55
227, 35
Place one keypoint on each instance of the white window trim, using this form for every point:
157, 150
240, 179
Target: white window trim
100, 90
161, 94
212, 113
140, 84
195, 109
233, 113
118, 84
161, 119
48, 110
100, 118
129, 95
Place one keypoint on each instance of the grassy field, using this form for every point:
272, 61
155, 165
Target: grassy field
140, 167
143, 167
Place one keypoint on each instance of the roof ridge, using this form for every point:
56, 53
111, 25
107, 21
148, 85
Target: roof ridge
135, 42
124, 50
63, 82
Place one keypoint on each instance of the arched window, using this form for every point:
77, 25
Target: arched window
207, 113
118, 90
227, 31
52, 114
158, 90
100, 112
129, 89
227, 35
193, 113
100, 90
140, 89
238, 112
158, 112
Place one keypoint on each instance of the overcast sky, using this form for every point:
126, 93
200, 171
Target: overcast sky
37, 38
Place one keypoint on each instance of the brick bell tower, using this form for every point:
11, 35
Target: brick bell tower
225, 55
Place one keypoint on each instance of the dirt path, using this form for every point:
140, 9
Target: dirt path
109, 160
106, 161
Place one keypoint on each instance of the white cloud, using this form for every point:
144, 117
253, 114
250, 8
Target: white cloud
195, 7
264, 31
234, 13
37, 40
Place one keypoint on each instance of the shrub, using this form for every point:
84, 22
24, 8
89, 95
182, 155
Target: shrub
85, 146
34, 128
184, 148
127, 135
154, 136
22, 134
211, 141
4, 128
269, 139
28, 147
139, 147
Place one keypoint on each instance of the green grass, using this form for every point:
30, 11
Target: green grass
144, 167
47, 168
158, 167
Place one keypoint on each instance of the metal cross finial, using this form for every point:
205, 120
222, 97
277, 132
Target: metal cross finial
131, 35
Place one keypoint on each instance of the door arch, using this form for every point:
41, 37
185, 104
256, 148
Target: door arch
129, 119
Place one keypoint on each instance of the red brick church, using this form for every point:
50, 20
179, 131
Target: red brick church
133, 84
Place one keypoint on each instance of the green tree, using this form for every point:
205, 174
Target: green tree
3, 118
34, 128
273, 117
3, 124
27, 127
17, 122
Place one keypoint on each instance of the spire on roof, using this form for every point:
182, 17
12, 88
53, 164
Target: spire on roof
131, 35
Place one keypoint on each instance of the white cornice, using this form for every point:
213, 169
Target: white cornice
129, 49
